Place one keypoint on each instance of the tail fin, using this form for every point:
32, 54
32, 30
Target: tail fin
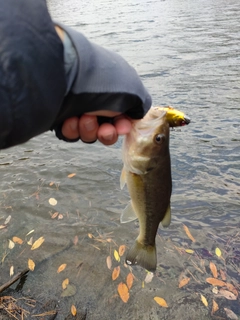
142, 255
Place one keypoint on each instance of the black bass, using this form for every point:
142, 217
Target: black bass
147, 172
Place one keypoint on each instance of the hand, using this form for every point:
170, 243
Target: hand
88, 130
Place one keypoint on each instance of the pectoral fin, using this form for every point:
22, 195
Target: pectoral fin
128, 214
123, 178
167, 218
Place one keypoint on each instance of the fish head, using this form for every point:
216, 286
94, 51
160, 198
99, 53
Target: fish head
147, 143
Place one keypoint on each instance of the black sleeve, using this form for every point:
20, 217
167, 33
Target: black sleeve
32, 77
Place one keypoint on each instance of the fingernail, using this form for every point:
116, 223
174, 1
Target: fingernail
108, 137
74, 125
89, 125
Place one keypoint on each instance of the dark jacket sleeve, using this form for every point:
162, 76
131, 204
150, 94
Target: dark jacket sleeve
32, 77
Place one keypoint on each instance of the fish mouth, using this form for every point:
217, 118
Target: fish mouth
186, 120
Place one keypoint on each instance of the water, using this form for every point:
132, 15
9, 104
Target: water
187, 54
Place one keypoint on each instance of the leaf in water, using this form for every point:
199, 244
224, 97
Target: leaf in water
215, 306
69, 291
11, 244
129, 280
232, 288
37, 243
52, 201
183, 282
11, 272
189, 251
30, 242
123, 292
8, 219
161, 302
54, 215
65, 283
231, 314
73, 310
17, 240
90, 235
121, 250
149, 277
109, 262
227, 294
143, 285
218, 252
51, 183
213, 269
61, 267
60, 216
188, 233
223, 275
31, 264
29, 232
216, 282
116, 256
115, 273
75, 240
71, 175
2, 226
204, 300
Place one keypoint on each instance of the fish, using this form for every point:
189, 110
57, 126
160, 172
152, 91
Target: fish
147, 173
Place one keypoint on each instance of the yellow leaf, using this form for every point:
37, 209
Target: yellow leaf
29, 232
116, 256
31, 264
109, 262
189, 251
52, 201
129, 280
115, 273
188, 233
143, 284
183, 282
161, 302
204, 300
71, 175
213, 269
17, 240
216, 282
11, 271
121, 250
73, 310
218, 252
214, 306
123, 292
11, 244
37, 243
61, 267
2, 226
30, 242
65, 283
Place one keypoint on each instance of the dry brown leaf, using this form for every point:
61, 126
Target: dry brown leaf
121, 250
149, 277
65, 283
115, 273
231, 315
227, 294
37, 243
51, 183
129, 280
232, 288
71, 175
216, 282
17, 240
31, 264
73, 310
109, 262
188, 233
123, 292
223, 275
213, 269
11, 244
11, 272
183, 282
90, 235
116, 255
161, 302
204, 300
54, 215
61, 267
215, 306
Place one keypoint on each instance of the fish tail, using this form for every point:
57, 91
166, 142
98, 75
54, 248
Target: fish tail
142, 255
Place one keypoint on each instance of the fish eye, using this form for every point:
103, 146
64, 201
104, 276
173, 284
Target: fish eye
159, 138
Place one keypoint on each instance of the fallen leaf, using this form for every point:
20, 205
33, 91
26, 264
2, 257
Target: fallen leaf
232, 288
73, 310
129, 280
161, 302
143, 285
60, 216
218, 252
30, 242
29, 232
116, 256
213, 269
51, 183
65, 283
149, 277
121, 250
61, 267
90, 235
37, 243
227, 294
31, 264
188, 233
71, 175
75, 240
69, 291
8, 219
11, 272
204, 300
52, 201
115, 273
109, 262
123, 292
2, 226
17, 240
54, 215
216, 282
231, 314
189, 251
215, 290
215, 306
183, 282
223, 274
11, 244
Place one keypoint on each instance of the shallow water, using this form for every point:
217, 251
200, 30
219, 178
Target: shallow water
187, 54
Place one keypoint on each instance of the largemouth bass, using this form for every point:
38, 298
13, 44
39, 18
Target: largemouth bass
147, 172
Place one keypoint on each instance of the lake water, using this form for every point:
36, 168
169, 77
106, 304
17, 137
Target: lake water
187, 54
